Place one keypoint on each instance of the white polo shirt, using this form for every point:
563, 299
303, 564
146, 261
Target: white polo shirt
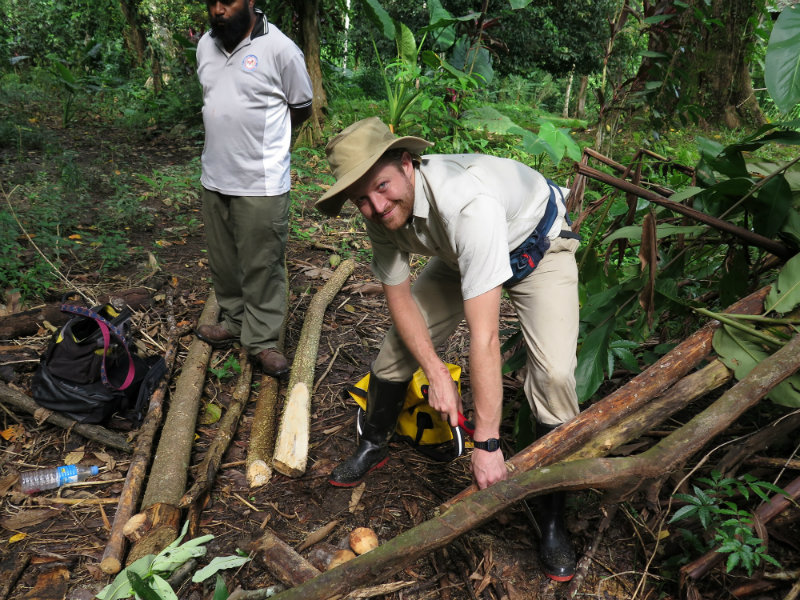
470, 210
247, 94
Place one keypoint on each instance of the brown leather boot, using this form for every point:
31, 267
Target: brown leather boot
272, 362
215, 336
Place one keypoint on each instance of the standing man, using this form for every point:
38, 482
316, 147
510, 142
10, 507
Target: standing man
490, 224
255, 90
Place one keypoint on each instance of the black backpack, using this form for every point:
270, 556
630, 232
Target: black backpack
88, 372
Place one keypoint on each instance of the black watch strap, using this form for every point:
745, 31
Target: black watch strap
489, 445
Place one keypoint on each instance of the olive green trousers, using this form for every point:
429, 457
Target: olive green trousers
246, 237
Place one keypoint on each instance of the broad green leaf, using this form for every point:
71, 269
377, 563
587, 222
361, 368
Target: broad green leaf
406, 45
379, 17
791, 229
121, 586
652, 54
592, 357
492, 120
634, 232
142, 588
163, 588
657, 19
517, 4
533, 144
217, 564
173, 557
782, 62
549, 135
772, 202
740, 353
785, 294
441, 24
211, 414
66, 75
220, 589
685, 193
709, 147
737, 350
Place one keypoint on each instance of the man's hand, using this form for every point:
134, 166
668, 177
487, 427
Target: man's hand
443, 395
488, 467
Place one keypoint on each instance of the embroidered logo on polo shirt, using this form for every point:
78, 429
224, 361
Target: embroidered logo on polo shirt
250, 62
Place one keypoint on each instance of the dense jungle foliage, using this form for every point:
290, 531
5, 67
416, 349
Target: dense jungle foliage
700, 98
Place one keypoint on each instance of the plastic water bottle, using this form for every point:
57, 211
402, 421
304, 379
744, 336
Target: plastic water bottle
48, 479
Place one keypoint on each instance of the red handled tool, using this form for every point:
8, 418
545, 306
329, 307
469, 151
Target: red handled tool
465, 424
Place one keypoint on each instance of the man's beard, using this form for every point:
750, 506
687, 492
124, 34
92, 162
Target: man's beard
231, 31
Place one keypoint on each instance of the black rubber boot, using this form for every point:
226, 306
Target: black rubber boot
384, 402
555, 548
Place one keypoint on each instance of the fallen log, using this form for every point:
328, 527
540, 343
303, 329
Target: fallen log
157, 530
572, 435
97, 433
29, 322
287, 565
625, 473
680, 395
167, 480
10, 573
111, 563
291, 445
207, 471
768, 436
258, 465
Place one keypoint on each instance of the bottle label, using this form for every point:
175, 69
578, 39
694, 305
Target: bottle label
67, 474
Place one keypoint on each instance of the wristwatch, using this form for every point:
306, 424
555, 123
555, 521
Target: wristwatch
489, 445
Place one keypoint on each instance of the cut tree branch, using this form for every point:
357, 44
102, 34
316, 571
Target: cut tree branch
98, 433
207, 471
114, 553
747, 236
291, 446
262, 433
167, 481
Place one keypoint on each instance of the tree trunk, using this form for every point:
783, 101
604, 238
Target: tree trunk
309, 15
135, 36
580, 102
709, 58
565, 110
28, 322
167, 480
281, 559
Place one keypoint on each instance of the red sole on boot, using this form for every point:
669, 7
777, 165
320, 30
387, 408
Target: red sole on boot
560, 578
355, 483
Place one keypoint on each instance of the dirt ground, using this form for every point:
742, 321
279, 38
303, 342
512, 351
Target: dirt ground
55, 547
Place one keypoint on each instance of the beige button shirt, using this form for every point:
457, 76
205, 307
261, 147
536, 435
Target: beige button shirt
470, 210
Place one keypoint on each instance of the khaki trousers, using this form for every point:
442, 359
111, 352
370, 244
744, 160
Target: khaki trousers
246, 237
546, 303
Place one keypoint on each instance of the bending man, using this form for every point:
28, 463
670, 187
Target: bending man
489, 224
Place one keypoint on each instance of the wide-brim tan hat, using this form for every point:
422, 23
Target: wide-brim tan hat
354, 151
